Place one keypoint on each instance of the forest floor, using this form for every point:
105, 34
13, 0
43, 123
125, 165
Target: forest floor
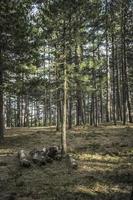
105, 165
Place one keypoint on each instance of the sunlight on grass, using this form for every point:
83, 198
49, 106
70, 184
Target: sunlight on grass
100, 187
97, 157
96, 167
4, 152
84, 189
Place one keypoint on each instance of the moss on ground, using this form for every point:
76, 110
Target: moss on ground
104, 155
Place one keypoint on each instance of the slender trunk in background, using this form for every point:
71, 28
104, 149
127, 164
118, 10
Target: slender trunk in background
70, 100
21, 111
125, 63
18, 111
57, 118
38, 113
107, 66
34, 114
49, 94
64, 145
84, 108
78, 106
82, 111
26, 116
113, 65
14, 113
2, 128
113, 76
44, 113
79, 109
45, 110
44, 120
118, 100
92, 110
64, 125
8, 115
57, 106
31, 113
101, 103
61, 112
124, 96
95, 107
88, 109
70, 113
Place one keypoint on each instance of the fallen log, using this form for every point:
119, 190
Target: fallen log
46, 155
23, 159
48, 159
38, 157
53, 151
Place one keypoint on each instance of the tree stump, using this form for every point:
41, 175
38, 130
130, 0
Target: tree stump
71, 162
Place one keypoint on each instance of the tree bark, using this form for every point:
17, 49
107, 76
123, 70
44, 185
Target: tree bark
2, 127
107, 67
113, 75
64, 146
70, 113
64, 126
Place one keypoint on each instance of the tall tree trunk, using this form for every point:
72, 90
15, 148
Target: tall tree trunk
8, 115
26, 115
79, 109
64, 126
101, 103
118, 100
107, 66
64, 145
113, 75
70, 113
95, 107
18, 111
123, 51
49, 95
2, 127
84, 109
124, 10
31, 113
57, 118
92, 109
113, 62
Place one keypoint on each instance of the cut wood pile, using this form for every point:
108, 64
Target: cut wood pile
39, 157
44, 156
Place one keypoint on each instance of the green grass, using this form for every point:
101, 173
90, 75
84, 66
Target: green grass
104, 155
